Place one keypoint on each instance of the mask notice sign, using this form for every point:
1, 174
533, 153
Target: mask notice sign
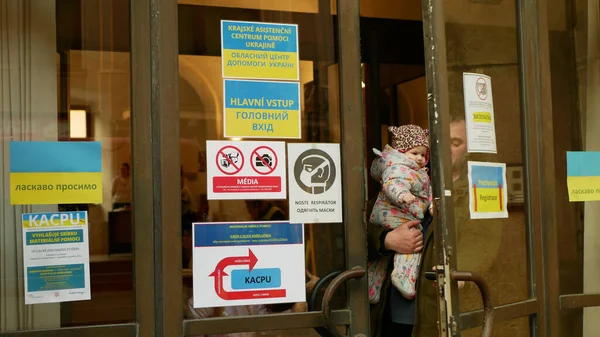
315, 183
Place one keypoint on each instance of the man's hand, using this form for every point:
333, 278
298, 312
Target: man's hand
406, 239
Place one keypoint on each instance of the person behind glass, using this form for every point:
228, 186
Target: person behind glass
263, 210
121, 188
188, 206
188, 217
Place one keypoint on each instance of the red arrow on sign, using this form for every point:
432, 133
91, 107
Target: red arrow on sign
251, 261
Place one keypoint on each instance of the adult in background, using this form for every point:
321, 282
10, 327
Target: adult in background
121, 188
264, 210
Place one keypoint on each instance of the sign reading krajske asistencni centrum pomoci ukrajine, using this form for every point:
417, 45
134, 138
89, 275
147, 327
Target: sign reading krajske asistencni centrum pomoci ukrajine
257, 50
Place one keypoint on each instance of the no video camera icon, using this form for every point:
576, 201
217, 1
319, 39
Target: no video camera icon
229, 159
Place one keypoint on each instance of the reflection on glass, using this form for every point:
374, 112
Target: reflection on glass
512, 327
203, 114
66, 78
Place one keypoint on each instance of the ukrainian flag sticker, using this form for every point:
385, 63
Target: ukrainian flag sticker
44, 173
583, 176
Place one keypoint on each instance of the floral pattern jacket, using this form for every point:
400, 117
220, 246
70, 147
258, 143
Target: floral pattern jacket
399, 175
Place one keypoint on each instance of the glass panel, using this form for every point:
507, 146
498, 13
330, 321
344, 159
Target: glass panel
202, 114
65, 83
479, 40
575, 70
484, 41
486, 151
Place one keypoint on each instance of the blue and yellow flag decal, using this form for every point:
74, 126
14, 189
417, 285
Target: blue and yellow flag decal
583, 176
487, 190
43, 173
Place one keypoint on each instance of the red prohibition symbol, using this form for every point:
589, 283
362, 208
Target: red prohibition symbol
230, 162
264, 163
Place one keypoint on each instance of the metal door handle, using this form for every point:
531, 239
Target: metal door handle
354, 273
312, 304
484, 289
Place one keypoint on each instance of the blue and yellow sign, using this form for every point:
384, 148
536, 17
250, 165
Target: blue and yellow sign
487, 190
260, 109
55, 173
256, 50
583, 176
52, 220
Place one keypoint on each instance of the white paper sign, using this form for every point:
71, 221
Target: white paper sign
315, 179
487, 190
248, 263
245, 170
479, 113
56, 258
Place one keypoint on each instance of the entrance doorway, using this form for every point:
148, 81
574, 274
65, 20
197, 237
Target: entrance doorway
144, 80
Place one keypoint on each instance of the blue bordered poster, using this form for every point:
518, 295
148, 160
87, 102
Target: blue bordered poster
248, 263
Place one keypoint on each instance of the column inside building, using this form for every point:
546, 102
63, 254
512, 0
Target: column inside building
28, 109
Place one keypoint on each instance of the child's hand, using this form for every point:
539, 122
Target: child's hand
408, 198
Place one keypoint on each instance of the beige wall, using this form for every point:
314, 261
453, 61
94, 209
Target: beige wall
412, 101
501, 14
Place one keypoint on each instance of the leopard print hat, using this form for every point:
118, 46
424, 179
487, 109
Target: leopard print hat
406, 137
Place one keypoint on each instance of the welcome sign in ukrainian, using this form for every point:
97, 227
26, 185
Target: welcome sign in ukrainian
487, 190
259, 50
55, 173
262, 109
583, 176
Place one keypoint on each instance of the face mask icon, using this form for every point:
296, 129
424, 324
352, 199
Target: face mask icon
314, 171
481, 88
315, 175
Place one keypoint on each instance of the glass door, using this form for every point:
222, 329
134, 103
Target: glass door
70, 232
234, 59
480, 74
573, 75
